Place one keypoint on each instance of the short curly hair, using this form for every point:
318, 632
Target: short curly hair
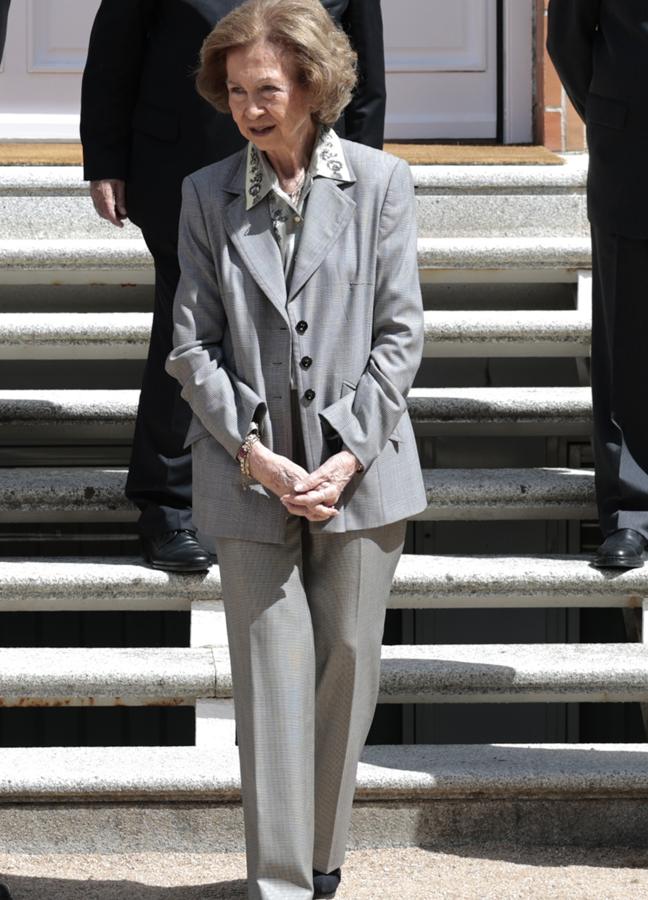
324, 59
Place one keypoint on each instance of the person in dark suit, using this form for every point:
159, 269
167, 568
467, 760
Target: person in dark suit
600, 50
144, 128
4, 14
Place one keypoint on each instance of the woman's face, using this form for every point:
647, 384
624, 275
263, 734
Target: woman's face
268, 104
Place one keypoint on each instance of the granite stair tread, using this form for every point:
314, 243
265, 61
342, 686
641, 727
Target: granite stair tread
96, 494
447, 332
409, 674
565, 408
385, 772
128, 676
421, 582
126, 253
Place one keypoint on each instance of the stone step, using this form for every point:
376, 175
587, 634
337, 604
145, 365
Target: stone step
175, 676
421, 582
114, 335
77, 260
507, 333
498, 673
46, 416
96, 494
523, 201
142, 799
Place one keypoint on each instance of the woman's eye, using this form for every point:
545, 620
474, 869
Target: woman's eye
236, 90
269, 89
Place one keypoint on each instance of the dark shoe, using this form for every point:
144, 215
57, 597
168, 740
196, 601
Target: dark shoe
175, 551
622, 549
326, 885
4, 892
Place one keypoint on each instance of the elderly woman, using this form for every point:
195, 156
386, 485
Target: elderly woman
298, 332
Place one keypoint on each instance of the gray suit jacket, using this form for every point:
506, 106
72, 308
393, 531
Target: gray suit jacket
353, 306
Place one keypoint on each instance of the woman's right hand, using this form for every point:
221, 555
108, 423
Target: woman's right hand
275, 472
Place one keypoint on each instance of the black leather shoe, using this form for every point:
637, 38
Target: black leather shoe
175, 551
622, 549
326, 885
4, 892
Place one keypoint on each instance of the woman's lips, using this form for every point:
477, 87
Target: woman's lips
260, 132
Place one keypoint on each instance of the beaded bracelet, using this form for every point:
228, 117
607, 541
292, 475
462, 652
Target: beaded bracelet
243, 456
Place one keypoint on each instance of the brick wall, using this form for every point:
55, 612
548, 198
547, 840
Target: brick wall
558, 125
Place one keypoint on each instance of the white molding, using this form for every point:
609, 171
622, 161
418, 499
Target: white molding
472, 56
44, 59
518, 71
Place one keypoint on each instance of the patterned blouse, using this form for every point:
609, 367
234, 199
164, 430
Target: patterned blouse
286, 215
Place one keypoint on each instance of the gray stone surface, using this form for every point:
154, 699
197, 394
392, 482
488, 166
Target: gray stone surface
39, 181
78, 254
75, 493
518, 333
433, 253
88, 335
386, 772
433, 410
482, 494
168, 676
94, 494
100, 584
409, 674
547, 411
514, 673
447, 333
45, 217
566, 178
505, 253
421, 582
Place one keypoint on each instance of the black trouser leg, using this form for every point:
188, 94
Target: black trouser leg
620, 380
159, 479
4, 14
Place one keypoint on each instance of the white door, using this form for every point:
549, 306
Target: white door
441, 59
40, 82
441, 68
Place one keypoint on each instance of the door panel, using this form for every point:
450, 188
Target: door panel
441, 61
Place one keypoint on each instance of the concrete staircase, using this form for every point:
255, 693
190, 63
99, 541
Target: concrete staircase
66, 281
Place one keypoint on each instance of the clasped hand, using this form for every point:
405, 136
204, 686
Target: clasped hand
311, 495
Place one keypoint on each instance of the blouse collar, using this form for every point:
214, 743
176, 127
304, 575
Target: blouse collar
327, 161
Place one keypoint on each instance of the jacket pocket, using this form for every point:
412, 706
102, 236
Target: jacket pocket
605, 111
163, 124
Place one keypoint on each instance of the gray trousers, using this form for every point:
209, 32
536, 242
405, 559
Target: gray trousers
305, 623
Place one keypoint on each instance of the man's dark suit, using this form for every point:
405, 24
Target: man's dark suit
142, 121
600, 50
4, 13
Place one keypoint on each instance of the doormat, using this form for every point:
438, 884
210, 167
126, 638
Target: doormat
54, 154
26, 153
474, 155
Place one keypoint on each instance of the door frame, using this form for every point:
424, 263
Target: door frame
516, 71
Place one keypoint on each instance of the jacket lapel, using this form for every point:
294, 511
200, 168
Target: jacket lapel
328, 213
251, 234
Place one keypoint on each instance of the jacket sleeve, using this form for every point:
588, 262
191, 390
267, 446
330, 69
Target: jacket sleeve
364, 117
110, 85
225, 405
571, 30
365, 418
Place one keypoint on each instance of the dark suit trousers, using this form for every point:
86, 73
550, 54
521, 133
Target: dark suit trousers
620, 380
4, 12
159, 479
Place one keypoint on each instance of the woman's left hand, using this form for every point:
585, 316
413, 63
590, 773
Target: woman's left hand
315, 496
